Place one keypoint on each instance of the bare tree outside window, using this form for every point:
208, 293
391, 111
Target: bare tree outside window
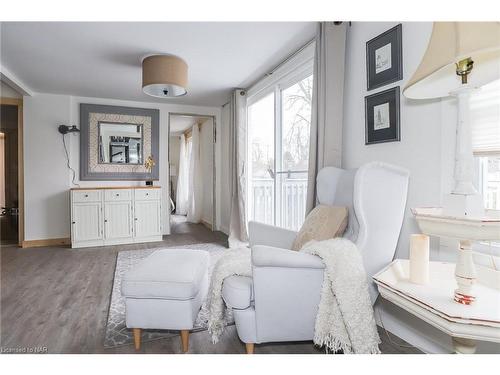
278, 167
297, 101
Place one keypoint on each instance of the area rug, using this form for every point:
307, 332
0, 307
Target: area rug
117, 334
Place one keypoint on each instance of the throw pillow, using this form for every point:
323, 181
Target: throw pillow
322, 223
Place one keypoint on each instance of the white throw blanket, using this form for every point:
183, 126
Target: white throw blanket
345, 315
213, 314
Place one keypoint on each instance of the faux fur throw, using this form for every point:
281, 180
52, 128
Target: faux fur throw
345, 315
213, 314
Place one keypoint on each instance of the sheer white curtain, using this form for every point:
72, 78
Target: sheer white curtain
195, 190
238, 235
327, 103
181, 197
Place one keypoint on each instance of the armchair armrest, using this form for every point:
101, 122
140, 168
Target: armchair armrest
267, 256
269, 235
287, 289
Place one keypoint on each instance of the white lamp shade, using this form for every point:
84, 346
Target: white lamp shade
164, 76
451, 42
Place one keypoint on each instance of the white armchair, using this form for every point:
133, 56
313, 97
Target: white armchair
279, 302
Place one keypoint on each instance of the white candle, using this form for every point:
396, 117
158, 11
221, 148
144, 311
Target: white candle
419, 259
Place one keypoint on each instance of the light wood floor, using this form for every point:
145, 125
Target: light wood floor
58, 298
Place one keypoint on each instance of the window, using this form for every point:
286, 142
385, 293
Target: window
294, 156
485, 123
489, 181
279, 121
261, 160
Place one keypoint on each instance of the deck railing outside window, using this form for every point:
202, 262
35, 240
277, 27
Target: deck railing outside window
293, 204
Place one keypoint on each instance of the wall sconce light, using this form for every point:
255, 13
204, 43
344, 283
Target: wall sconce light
64, 129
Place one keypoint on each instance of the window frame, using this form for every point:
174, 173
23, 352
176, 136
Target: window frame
293, 71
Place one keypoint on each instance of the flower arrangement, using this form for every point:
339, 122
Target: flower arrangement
150, 163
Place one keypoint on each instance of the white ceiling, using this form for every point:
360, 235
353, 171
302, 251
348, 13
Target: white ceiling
180, 123
104, 59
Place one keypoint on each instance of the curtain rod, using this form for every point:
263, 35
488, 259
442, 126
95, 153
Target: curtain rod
288, 58
291, 56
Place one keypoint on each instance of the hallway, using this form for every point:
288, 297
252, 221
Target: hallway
179, 226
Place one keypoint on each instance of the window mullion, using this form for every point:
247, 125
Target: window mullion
277, 156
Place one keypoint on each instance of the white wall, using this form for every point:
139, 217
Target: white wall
420, 147
426, 150
223, 166
8, 92
207, 165
47, 179
46, 197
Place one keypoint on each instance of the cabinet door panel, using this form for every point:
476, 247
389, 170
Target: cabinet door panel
147, 218
86, 221
118, 219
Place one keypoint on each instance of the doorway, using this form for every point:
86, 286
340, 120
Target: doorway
191, 172
11, 172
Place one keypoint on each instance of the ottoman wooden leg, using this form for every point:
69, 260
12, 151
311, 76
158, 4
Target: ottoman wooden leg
137, 338
249, 347
185, 340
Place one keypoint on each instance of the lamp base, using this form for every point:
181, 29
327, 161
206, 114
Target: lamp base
463, 205
465, 274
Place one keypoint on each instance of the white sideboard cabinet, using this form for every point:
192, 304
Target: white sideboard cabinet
115, 215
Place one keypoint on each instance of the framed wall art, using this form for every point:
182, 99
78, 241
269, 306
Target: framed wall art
384, 58
116, 141
382, 117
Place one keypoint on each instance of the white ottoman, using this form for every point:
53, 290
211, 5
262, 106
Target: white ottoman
165, 291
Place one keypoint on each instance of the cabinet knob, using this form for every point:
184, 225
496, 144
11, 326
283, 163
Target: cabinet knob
86, 195
117, 195
135, 219
105, 221
73, 222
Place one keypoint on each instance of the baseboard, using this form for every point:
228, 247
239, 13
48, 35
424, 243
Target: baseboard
47, 242
206, 223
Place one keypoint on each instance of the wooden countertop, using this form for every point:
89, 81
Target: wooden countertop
116, 187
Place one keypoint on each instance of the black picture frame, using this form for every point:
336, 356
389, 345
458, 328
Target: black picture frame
385, 126
390, 69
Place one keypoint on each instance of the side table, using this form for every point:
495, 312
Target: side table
434, 304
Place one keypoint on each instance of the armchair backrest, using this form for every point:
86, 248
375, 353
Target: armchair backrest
335, 187
375, 195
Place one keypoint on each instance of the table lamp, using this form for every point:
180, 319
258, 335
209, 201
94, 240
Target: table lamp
460, 58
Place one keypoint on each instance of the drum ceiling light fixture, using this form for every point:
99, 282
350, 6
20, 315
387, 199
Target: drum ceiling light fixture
164, 76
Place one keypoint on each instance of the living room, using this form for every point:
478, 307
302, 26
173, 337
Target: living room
250, 187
